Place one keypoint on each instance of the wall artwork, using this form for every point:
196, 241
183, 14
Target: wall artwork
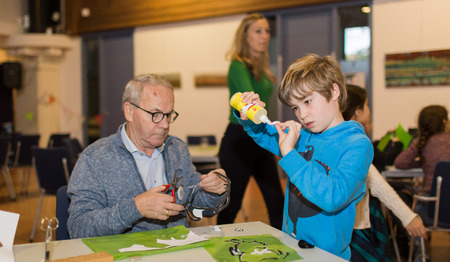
174, 79
211, 80
427, 68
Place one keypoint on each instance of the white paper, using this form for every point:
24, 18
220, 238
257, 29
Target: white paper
137, 247
8, 226
191, 238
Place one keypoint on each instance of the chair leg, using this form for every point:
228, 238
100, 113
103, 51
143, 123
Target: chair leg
33, 231
25, 179
393, 236
411, 249
424, 253
8, 181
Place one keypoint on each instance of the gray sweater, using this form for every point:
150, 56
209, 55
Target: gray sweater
106, 180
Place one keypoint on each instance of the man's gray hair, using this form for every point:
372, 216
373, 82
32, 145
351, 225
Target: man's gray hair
133, 89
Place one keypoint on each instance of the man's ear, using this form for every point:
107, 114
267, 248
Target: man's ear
336, 92
127, 109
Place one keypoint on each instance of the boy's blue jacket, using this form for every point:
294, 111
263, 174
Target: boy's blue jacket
327, 178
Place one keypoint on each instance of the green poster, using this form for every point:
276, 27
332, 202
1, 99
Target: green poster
250, 248
112, 244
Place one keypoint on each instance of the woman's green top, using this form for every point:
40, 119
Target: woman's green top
240, 79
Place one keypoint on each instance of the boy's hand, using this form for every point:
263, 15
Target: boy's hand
251, 97
288, 140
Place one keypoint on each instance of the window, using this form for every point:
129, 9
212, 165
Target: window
356, 43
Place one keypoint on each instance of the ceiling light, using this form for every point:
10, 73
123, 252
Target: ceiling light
365, 9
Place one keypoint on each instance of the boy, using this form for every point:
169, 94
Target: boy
326, 158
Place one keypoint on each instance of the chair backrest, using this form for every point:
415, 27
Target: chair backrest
56, 140
443, 170
5, 148
23, 144
74, 147
62, 207
51, 167
197, 140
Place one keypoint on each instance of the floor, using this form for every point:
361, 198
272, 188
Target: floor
253, 205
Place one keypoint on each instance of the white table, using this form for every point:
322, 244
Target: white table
402, 173
204, 154
66, 248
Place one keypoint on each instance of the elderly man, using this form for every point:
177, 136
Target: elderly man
122, 183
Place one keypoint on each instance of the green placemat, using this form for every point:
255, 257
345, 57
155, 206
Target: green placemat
112, 244
250, 248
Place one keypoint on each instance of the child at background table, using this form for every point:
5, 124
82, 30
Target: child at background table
432, 145
326, 158
370, 241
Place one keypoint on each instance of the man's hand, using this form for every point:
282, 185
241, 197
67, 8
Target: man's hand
288, 140
214, 183
157, 205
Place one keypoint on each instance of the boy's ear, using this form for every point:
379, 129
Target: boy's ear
336, 92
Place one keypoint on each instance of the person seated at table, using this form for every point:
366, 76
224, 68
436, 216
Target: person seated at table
367, 243
432, 145
117, 185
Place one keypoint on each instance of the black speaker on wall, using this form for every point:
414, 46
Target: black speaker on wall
11, 75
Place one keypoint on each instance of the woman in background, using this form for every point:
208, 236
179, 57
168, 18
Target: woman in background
239, 155
370, 240
432, 145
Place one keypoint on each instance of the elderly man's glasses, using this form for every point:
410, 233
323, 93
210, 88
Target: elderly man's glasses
157, 117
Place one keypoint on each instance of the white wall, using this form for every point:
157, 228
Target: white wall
190, 48
199, 47
10, 17
401, 26
71, 92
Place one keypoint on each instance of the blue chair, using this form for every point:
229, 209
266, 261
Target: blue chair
62, 206
198, 140
436, 215
56, 140
5, 152
75, 148
52, 172
22, 157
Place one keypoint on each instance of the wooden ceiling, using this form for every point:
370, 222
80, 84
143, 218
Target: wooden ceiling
87, 16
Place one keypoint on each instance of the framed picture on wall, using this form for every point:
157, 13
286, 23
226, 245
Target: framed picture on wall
173, 78
426, 68
211, 80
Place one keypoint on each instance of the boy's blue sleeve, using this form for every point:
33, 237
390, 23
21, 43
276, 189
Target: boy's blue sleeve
333, 189
266, 136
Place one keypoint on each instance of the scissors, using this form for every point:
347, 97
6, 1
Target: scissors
48, 225
175, 187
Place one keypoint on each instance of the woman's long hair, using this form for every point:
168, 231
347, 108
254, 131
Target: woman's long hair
431, 121
240, 50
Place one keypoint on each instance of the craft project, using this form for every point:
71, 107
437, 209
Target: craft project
250, 248
147, 242
403, 136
